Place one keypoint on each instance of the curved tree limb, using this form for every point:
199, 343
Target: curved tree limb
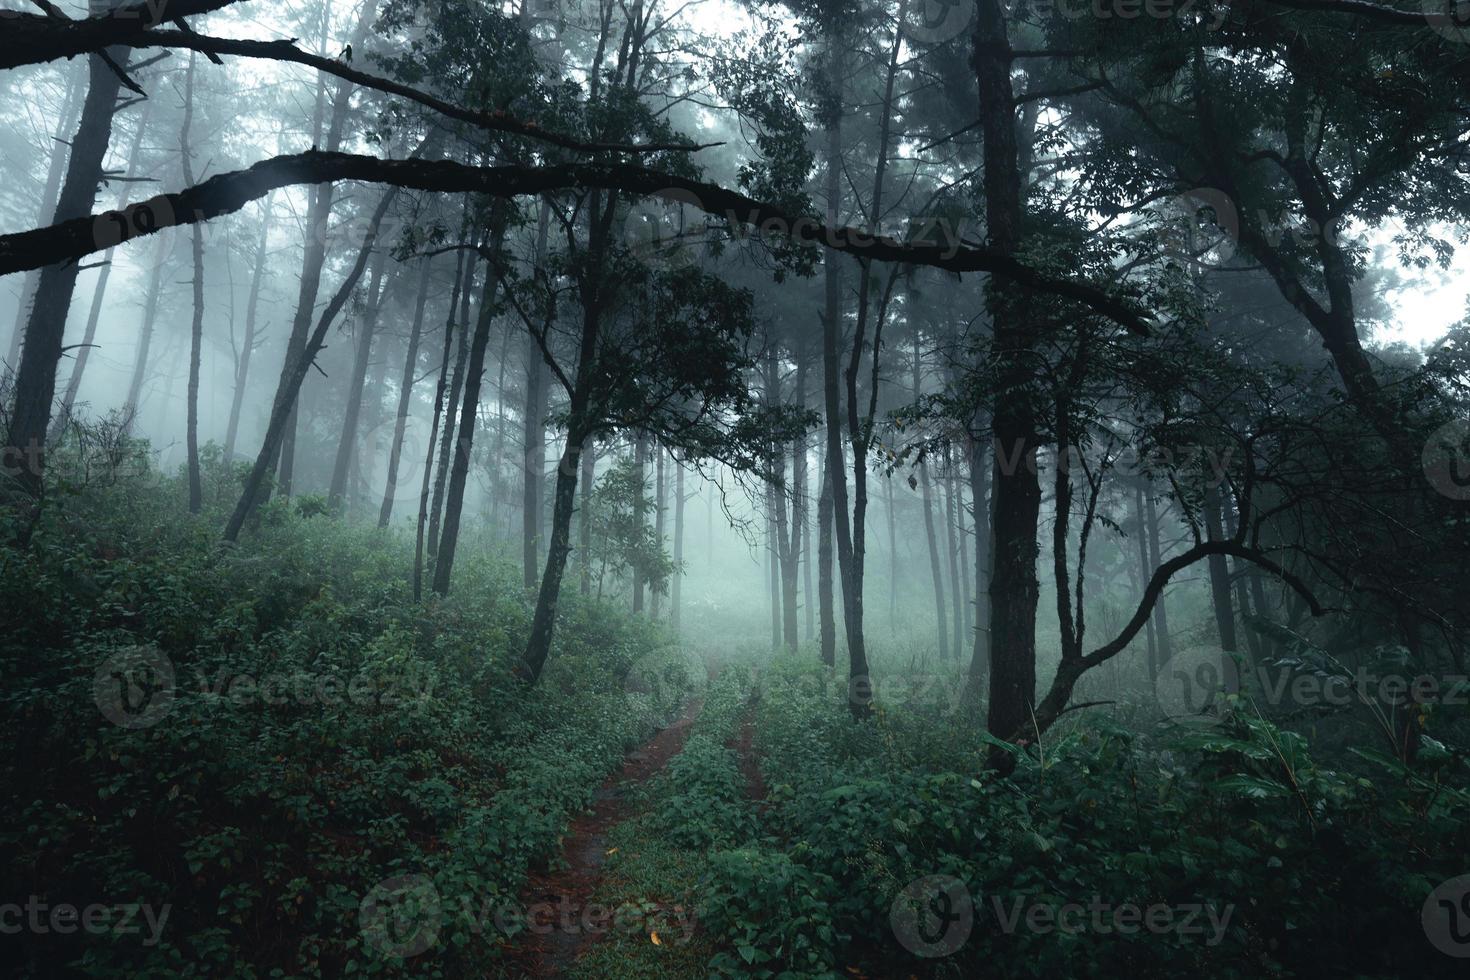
229, 192
1071, 669
39, 39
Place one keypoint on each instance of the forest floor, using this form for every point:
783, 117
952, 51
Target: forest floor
569, 887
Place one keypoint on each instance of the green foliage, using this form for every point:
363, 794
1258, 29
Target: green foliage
324, 733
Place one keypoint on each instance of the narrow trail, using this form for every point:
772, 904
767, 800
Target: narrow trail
743, 743
567, 890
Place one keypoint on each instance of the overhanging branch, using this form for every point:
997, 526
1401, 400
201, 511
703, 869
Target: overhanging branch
229, 192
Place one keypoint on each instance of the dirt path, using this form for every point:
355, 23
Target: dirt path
744, 744
567, 891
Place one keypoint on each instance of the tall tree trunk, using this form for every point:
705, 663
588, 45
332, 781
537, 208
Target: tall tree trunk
809, 594
1014, 586
405, 392
588, 463
659, 507
852, 600
60, 147
892, 557
533, 438
790, 538
827, 625
640, 510
319, 216
35, 381
1155, 557
474, 374
980, 503
104, 275
287, 393
1219, 571
365, 456
141, 357
674, 590
439, 404
446, 439
252, 306
356, 384
936, 575
957, 589
954, 507
1145, 572
196, 330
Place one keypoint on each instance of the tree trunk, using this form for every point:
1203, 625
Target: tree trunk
674, 591
446, 439
405, 392
141, 359
287, 393
319, 215
252, 305
1145, 572
937, 576
828, 627
640, 510
1014, 587
980, 502
35, 381
538, 647
1219, 575
533, 439
460, 470
584, 530
196, 330
659, 506
957, 590
70, 107
356, 384
439, 403
104, 275
1161, 614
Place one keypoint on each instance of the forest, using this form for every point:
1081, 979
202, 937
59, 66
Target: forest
735, 488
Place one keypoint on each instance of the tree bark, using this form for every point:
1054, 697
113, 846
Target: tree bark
940, 619
405, 392
439, 403
60, 148
828, 626
674, 590
35, 381
319, 216
196, 329
463, 444
252, 306
446, 439
980, 502
357, 384
104, 276
287, 393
